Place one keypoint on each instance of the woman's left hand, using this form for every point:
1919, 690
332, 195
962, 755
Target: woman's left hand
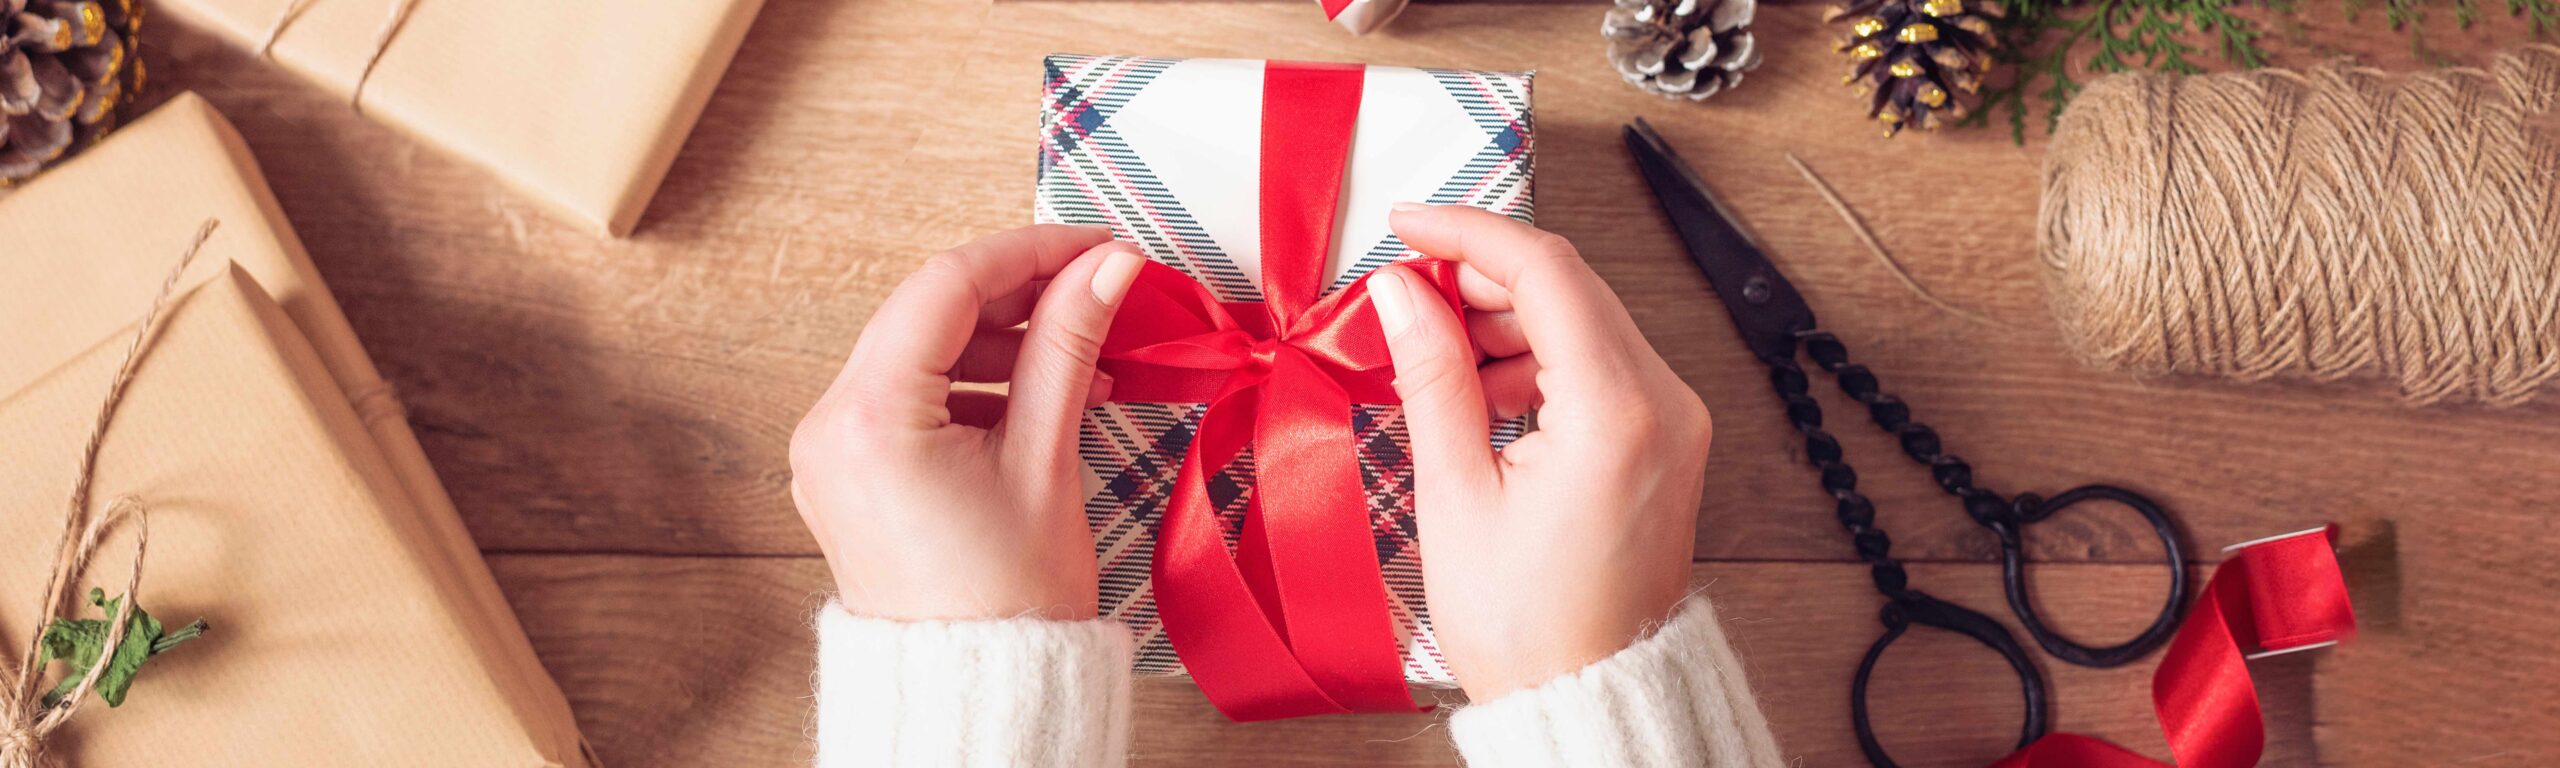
938, 503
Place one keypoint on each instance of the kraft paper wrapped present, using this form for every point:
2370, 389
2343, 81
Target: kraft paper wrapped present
581, 104
353, 622
1166, 152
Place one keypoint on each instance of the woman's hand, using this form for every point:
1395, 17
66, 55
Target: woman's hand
1573, 542
938, 503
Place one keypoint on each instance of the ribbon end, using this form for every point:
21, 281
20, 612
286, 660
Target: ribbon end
2296, 592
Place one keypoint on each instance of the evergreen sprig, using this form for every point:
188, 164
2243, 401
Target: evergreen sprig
78, 644
2042, 42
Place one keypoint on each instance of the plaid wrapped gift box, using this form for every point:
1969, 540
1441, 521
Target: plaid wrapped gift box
1165, 152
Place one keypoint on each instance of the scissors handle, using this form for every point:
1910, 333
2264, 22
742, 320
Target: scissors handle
2008, 518
1916, 607
1905, 606
2028, 510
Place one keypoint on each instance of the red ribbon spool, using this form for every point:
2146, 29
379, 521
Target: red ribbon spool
2276, 594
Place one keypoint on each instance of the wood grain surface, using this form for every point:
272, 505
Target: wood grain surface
704, 661
611, 415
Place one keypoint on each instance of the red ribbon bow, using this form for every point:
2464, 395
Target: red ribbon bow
1295, 622
2275, 594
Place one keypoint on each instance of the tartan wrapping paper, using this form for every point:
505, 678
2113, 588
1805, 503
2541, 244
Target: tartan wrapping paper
1150, 147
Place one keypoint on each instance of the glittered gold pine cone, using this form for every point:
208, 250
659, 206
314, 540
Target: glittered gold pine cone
1920, 61
1689, 49
65, 65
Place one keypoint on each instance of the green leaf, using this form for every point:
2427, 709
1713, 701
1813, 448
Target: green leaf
2043, 40
78, 643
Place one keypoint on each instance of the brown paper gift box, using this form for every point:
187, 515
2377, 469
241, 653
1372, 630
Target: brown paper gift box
579, 103
353, 621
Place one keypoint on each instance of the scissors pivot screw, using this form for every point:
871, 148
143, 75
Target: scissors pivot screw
1756, 290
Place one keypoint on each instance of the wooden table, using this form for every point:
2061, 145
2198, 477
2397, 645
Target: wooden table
611, 415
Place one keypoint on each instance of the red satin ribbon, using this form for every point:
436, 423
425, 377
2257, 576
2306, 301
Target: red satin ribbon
1295, 621
2278, 594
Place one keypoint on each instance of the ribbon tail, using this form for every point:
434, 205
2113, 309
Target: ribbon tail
2072, 750
1315, 511
1253, 558
2208, 705
1209, 611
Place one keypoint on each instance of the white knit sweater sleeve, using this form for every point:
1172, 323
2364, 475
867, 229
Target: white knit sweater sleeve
1011, 692
1676, 698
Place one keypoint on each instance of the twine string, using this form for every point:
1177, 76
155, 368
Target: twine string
1858, 226
29, 721
2321, 224
392, 21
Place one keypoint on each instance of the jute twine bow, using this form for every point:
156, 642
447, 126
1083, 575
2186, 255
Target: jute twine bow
29, 721
391, 23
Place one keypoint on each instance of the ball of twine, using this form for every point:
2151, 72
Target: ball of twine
2316, 224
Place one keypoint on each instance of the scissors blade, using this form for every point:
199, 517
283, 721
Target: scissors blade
1764, 305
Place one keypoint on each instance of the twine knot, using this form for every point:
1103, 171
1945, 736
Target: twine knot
21, 747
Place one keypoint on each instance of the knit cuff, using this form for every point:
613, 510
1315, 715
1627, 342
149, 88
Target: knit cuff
1010, 692
1677, 698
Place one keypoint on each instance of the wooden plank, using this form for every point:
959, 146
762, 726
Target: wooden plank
636, 395
1417, 2
2455, 662
705, 661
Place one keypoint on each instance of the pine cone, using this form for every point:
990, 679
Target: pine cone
64, 67
1684, 48
1921, 59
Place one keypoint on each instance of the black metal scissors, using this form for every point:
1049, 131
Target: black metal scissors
1776, 323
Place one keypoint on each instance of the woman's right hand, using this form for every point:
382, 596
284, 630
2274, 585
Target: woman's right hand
1574, 541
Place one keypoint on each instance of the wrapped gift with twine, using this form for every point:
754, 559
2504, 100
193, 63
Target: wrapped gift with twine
1261, 191
581, 104
290, 506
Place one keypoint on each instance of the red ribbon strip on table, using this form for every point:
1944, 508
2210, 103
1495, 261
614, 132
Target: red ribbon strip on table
2277, 594
1294, 622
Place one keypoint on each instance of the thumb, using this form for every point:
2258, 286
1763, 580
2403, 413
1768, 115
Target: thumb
1054, 372
1436, 378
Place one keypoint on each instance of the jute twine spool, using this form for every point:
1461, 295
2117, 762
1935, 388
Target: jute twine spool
2316, 224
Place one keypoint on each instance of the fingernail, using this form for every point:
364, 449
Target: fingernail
1394, 301
1408, 207
1099, 391
1111, 280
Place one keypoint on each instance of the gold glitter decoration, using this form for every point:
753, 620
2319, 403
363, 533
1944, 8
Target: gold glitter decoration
1867, 27
1906, 69
1942, 7
1933, 96
94, 20
1917, 33
1867, 51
